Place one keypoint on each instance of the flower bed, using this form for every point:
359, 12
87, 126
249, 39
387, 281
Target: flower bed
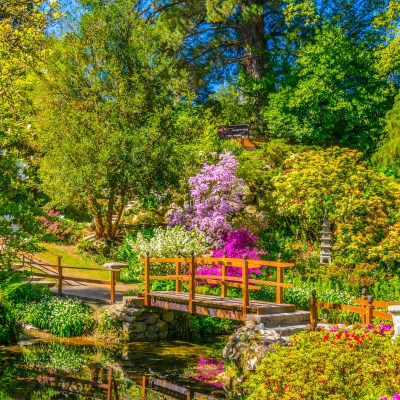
352, 363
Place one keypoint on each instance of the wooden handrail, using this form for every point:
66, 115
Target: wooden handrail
365, 307
245, 282
59, 275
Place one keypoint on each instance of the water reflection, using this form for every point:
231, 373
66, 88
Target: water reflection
56, 370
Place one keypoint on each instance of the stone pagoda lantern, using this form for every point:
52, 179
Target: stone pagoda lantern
326, 247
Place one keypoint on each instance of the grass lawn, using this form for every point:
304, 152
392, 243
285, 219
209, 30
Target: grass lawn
73, 259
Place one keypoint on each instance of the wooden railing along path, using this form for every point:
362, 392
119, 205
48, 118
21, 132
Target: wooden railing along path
30, 262
245, 282
366, 307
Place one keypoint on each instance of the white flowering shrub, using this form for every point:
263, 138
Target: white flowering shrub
18, 209
168, 243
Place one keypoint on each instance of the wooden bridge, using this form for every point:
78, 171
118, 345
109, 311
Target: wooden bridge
185, 298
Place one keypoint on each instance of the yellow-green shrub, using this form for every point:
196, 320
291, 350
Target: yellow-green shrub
339, 365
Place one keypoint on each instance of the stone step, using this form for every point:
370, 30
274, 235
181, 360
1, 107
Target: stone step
280, 318
286, 330
276, 309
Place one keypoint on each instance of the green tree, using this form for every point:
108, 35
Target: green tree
332, 95
107, 111
387, 157
21, 36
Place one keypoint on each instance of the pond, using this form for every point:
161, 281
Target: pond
74, 369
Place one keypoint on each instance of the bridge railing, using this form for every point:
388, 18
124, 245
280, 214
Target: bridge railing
366, 307
244, 282
57, 272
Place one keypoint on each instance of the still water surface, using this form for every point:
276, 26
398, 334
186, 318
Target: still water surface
72, 369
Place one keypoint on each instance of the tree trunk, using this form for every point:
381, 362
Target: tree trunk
255, 46
110, 213
97, 218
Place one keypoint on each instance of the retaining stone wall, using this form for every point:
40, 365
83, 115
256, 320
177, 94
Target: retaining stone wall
149, 324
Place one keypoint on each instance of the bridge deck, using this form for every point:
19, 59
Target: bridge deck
222, 307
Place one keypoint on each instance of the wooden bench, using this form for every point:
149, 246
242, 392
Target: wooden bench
233, 131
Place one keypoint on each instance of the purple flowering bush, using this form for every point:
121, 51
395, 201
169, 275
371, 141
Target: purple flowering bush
216, 195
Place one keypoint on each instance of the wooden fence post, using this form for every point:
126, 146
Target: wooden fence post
112, 288
223, 283
147, 280
364, 297
178, 287
245, 287
23, 261
144, 385
313, 310
109, 383
192, 282
370, 310
279, 280
60, 277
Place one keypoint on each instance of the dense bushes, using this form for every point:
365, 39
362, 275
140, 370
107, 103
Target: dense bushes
10, 328
363, 207
341, 364
13, 295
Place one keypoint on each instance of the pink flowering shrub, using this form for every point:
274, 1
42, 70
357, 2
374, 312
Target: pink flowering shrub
216, 195
56, 228
236, 244
208, 371
396, 396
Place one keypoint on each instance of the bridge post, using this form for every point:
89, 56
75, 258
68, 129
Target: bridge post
192, 282
279, 280
178, 287
147, 280
60, 276
313, 310
370, 310
245, 288
223, 273
112, 287
364, 297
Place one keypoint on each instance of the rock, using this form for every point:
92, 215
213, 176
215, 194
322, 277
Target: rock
151, 320
151, 336
138, 327
130, 310
163, 334
140, 337
127, 318
158, 327
133, 301
168, 316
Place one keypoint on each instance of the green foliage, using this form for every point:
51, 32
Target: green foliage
107, 104
13, 295
332, 95
10, 328
320, 365
202, 326
62, 317
388, 154
363, 207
